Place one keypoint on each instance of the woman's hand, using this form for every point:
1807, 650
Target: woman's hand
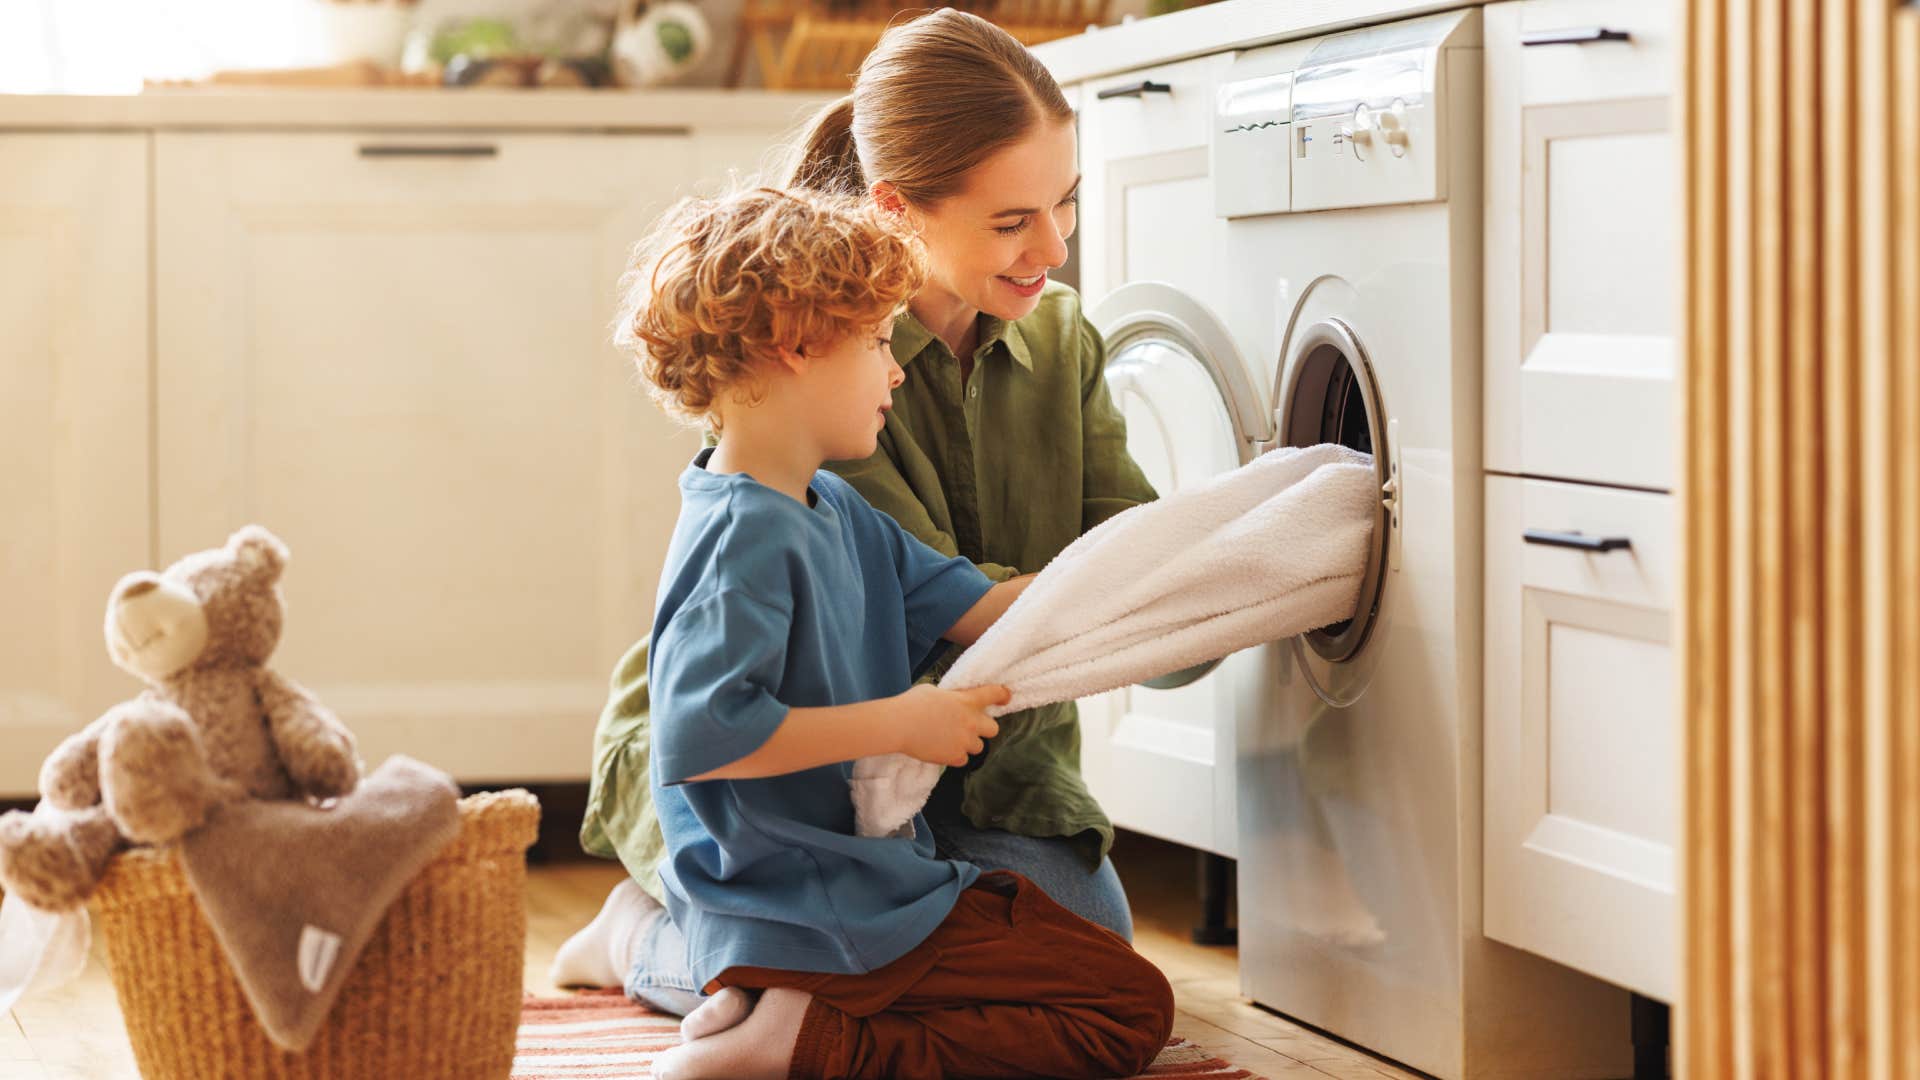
945, 727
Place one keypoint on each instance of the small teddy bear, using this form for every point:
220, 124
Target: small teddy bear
214, 725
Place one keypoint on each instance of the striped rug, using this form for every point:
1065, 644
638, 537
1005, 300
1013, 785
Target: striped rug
600, 1035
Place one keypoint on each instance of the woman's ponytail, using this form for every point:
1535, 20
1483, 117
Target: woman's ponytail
825, 158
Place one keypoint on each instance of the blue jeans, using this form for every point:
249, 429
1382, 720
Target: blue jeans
661, 979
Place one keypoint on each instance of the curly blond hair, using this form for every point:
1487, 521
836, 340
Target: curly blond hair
721, 285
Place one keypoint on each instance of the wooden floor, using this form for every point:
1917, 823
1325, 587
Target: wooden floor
75, 1033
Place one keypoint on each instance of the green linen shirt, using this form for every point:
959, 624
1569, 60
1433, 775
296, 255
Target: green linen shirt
1006, 470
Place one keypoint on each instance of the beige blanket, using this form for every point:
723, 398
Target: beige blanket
293, 891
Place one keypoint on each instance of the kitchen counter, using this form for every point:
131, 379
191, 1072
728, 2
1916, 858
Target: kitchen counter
1217, 27
667, 111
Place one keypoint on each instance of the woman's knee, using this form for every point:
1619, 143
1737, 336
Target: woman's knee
1053, 863
1109, 902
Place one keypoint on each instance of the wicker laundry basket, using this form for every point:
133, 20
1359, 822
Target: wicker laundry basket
435, 993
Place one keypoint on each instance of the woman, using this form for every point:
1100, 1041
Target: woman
1003, 446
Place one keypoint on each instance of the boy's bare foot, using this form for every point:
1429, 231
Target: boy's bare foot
716, 1014
758, 1048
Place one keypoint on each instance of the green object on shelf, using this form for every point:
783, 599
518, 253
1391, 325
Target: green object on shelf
475, 38
676, 41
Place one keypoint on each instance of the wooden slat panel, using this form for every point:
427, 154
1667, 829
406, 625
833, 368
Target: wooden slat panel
1705, 1034
1904, 179
1838, 706
1802, 523
1800, 535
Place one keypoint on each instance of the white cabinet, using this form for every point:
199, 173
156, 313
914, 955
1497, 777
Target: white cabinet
1161, 760
1582, 240
1146, 206
1582, 749
391, 350
74, 427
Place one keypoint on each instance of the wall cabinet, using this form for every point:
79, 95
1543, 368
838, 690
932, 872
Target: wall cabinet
388, 346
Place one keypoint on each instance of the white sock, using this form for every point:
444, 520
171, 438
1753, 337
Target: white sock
601, 954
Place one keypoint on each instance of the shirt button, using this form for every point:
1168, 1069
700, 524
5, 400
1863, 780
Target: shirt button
973, 391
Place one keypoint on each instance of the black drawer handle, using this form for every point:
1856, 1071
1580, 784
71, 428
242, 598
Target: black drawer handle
1139, 89
435, 150
1585, 35
1597, 544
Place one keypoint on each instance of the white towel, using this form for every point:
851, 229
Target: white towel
1274, 548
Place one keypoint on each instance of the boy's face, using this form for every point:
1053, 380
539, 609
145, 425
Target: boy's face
849, 388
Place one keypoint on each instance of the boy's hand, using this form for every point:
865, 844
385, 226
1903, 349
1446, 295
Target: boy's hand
945, 727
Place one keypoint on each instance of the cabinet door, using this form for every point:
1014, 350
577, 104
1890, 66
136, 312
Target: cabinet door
392, 351
1146, 206
1582, 245
1582, 750
74, 428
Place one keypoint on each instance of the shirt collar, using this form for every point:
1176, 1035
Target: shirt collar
910, 338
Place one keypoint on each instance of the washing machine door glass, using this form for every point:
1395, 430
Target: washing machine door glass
1176, 377
1179, 428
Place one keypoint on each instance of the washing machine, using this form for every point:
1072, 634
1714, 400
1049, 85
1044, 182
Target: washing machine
1350, 180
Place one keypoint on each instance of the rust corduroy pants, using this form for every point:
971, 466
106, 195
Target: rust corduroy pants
1011, 984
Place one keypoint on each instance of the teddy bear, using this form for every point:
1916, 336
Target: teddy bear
214, 725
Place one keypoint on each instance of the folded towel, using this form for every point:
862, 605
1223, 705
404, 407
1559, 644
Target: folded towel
293, 891
1274, 548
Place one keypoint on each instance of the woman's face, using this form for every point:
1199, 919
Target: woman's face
992, 243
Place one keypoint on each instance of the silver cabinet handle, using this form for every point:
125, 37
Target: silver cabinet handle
435, 150
1599, 545
1585, 35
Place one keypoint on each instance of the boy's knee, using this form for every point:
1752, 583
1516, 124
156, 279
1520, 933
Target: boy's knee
1158, 1026
1143, 1007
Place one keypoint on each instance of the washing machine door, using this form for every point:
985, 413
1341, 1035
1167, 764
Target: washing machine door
1177, 378
1328, 393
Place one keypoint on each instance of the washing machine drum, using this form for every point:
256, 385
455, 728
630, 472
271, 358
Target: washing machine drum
1330, 395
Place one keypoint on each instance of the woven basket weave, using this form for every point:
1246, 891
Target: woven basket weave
435, 993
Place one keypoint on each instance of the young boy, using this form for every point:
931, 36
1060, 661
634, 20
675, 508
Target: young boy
791, 621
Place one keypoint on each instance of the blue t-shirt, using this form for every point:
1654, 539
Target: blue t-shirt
767, 604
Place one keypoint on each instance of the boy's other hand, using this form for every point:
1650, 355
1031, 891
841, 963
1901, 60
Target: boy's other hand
945, 727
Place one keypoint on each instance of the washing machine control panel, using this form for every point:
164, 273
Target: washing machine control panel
1368, 119
1252, 137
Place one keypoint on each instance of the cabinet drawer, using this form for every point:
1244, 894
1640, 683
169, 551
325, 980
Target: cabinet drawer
1574, 69
1582, 260
1642, 573
1152, 121
1581, 779
1146, 205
